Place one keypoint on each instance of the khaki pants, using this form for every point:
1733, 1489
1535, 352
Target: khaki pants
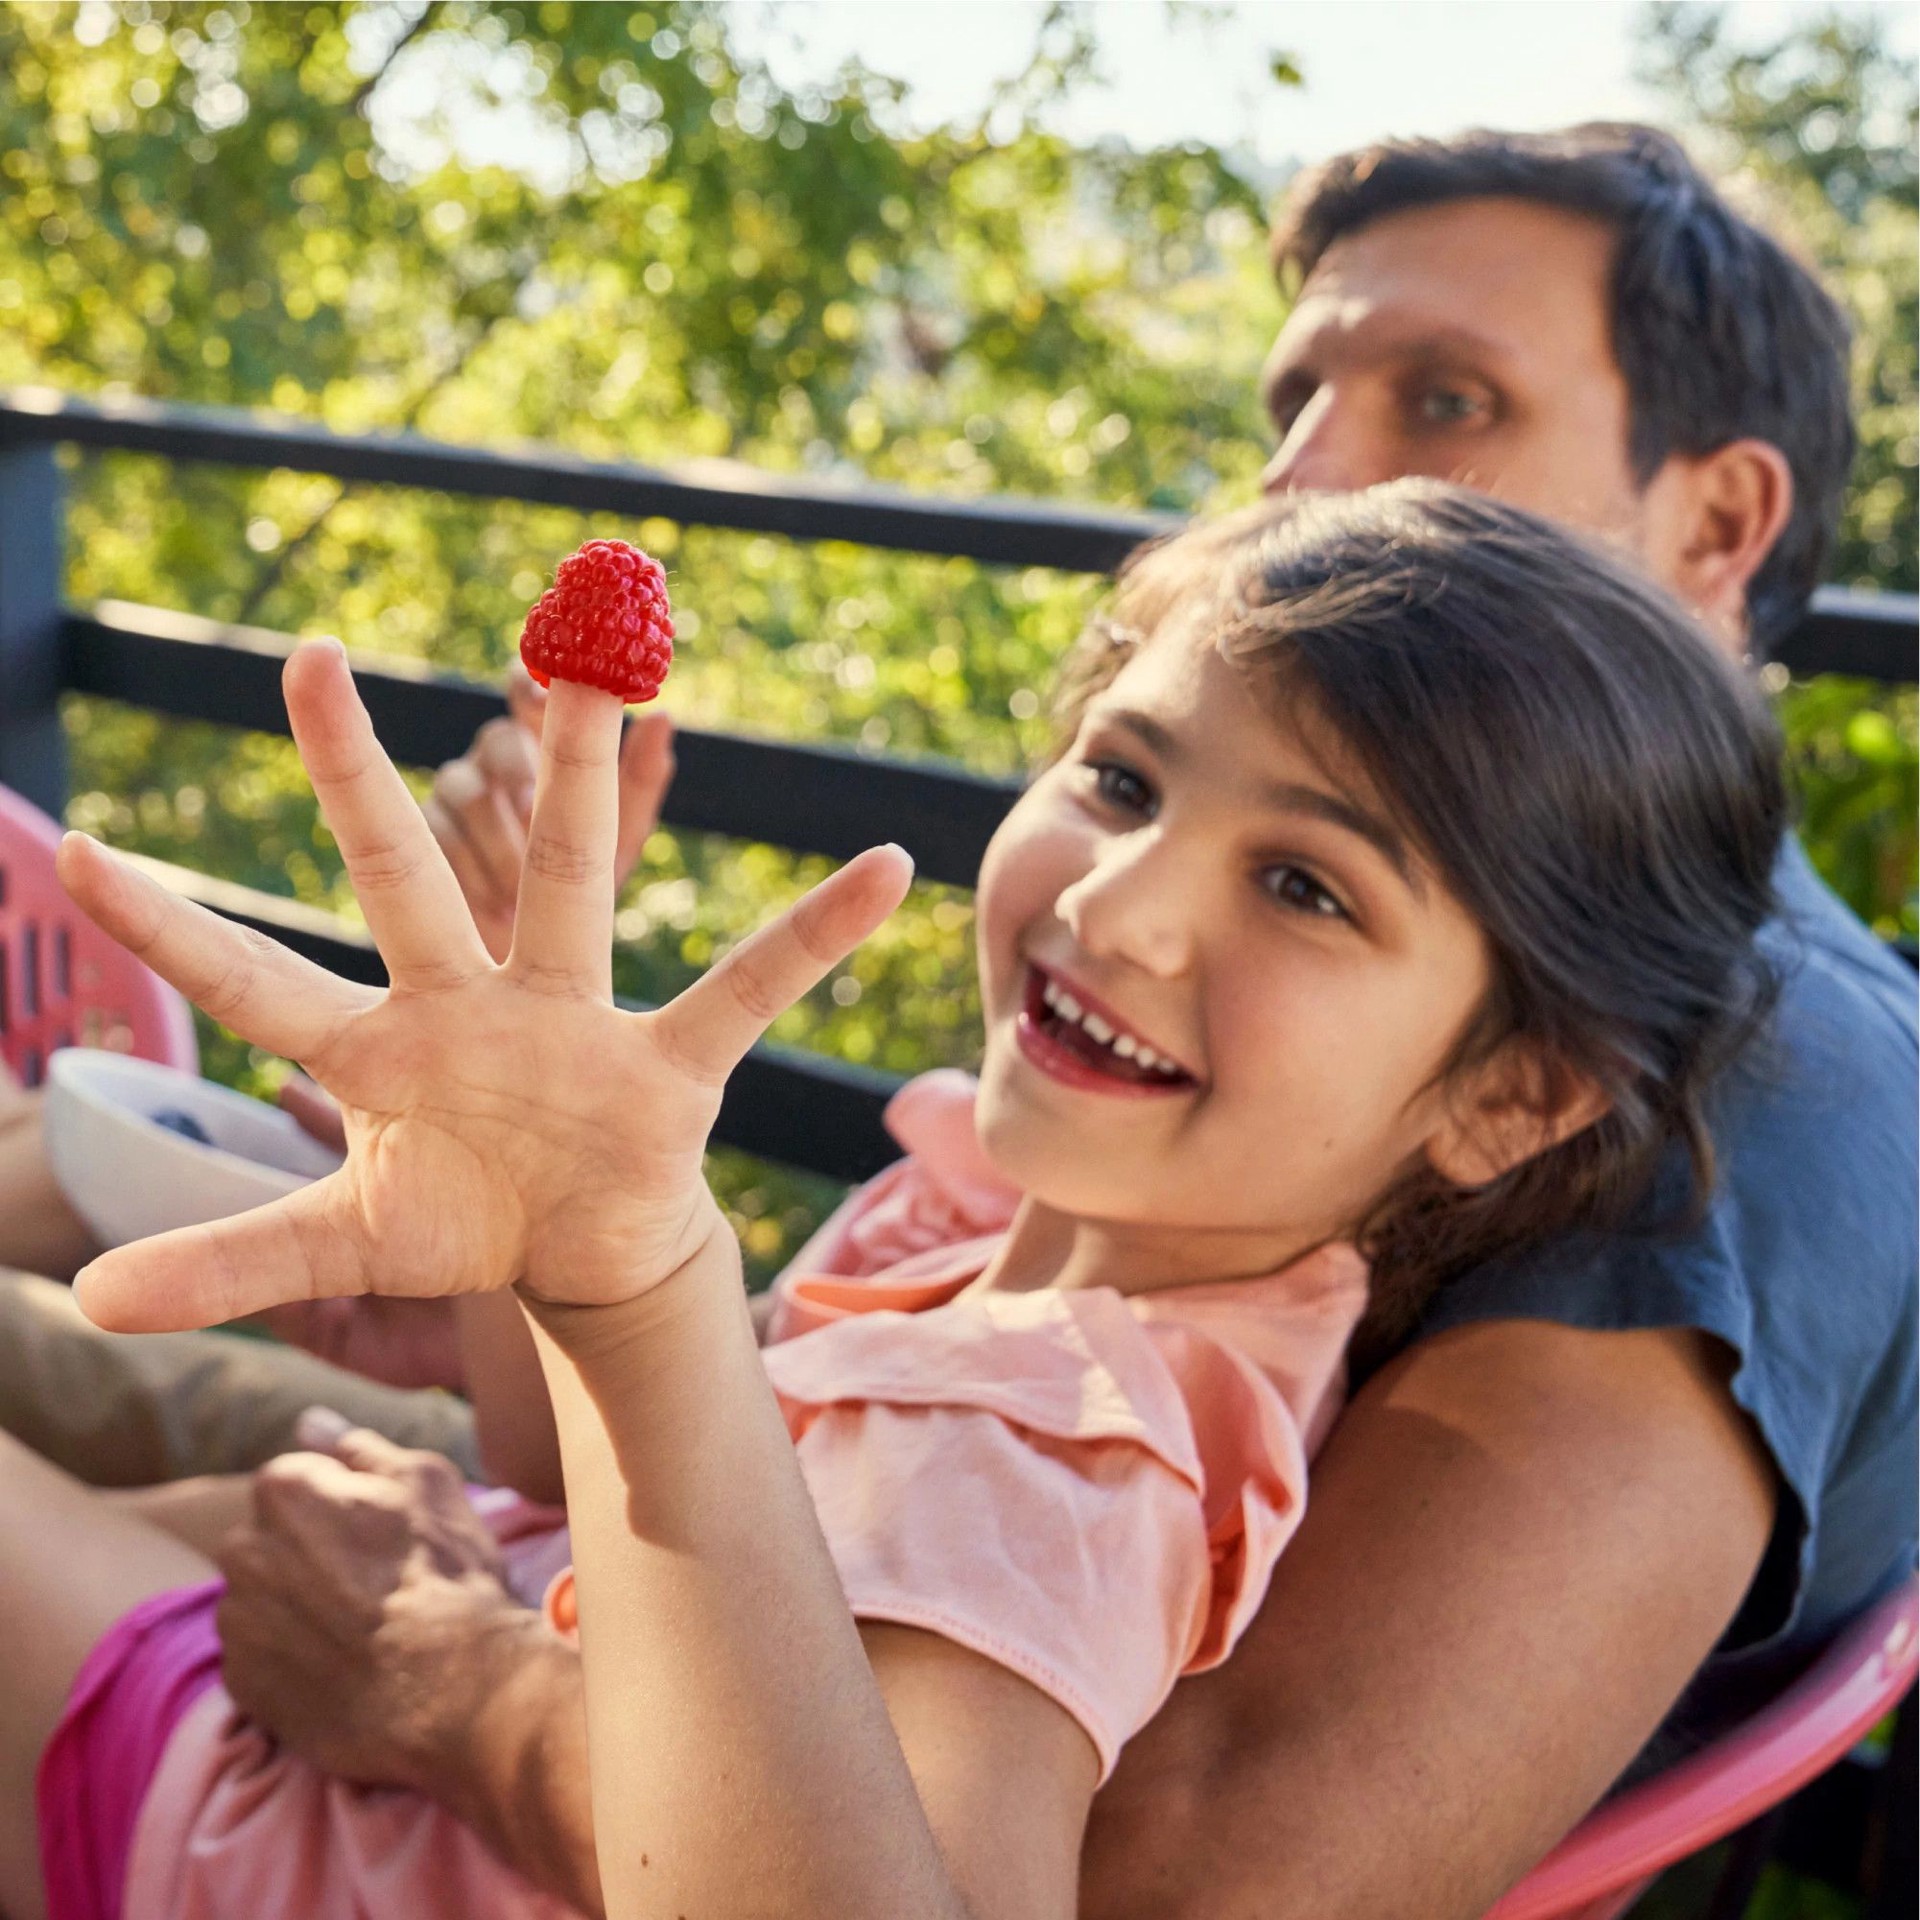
135, 1409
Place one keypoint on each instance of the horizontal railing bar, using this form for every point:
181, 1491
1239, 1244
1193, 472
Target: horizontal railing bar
1846, 631
814, 799
1873, 635
801, 1109
1002, 529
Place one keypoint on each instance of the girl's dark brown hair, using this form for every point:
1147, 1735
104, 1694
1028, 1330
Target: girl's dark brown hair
1589, 777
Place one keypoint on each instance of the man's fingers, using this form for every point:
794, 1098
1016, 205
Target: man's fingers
526, 698
405, 888
487, 810
315, 1112
368, 1452
563, 927
483, 898
240, 978
320, 1430
507, 752
303, 1247
646, 772
711, 1025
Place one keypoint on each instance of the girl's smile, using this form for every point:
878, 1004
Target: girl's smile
1065, 1031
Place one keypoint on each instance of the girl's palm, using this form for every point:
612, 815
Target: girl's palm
504, 1122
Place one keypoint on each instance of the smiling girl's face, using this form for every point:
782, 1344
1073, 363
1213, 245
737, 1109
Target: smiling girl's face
1220, 987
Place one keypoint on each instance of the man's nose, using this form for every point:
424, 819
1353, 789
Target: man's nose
1331, 447
1135, 905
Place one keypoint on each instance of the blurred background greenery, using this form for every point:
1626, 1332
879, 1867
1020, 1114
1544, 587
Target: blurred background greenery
260, 205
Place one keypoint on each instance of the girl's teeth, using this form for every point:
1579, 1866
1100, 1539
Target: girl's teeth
1061, 1002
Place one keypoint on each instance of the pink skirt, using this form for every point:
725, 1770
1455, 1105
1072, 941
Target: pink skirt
158, 1801
132, 1692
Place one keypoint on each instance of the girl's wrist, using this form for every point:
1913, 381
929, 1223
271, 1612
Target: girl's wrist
595, 1336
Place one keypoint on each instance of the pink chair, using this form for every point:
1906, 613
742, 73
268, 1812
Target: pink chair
63, 983
1618, 1852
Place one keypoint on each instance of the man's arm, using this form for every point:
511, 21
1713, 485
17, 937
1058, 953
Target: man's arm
519, 1444
365, 1626
1522, 1540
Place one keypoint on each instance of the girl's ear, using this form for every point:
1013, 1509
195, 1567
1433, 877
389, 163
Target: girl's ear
1511, 1108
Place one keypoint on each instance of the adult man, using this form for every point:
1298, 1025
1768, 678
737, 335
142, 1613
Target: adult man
1536, 1522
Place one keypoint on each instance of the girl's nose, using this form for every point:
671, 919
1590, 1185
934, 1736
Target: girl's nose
1135, 904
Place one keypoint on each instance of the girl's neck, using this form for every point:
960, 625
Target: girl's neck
1047, 1248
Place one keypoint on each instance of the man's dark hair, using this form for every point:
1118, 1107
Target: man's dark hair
1591, 779
1721, 334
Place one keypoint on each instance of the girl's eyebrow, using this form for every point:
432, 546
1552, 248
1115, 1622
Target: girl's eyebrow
1318, 804
1287, 796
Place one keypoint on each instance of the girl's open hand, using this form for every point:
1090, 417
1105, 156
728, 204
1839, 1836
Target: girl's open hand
504, 1122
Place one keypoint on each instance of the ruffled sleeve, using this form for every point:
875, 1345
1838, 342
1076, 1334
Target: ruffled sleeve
1023, 1474
924, 1220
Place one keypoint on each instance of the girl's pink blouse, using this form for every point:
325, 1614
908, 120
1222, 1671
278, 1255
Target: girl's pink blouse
1089, 1488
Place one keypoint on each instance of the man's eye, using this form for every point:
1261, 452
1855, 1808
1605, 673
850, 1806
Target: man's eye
1449, 406
1296, 888
1119, 786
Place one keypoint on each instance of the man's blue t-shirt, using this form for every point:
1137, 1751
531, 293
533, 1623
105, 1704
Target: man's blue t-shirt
1805, 1265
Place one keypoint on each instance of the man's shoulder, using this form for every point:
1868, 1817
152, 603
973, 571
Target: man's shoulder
1837, 973
1823, 1112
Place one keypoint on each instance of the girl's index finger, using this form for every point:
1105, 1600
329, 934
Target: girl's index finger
563, 930
415, 910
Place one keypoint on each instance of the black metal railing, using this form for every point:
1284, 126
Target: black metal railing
799, 1108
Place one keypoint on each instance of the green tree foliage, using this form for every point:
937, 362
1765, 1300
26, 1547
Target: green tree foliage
254, 205
1819, 127
608, 228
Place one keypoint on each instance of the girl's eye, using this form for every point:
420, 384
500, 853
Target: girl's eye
1449, 406
1294, 887
1119, 786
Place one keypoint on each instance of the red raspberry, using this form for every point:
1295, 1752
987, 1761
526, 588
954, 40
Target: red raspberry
604, 622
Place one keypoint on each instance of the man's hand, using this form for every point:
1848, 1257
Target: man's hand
482, 803
364, 1606
366, 1628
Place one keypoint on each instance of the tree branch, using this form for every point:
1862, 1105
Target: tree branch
415, 27
275, 570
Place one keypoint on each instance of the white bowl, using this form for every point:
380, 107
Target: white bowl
127, 1176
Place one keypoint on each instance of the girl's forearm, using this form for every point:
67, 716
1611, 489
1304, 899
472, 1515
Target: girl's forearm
743, 1759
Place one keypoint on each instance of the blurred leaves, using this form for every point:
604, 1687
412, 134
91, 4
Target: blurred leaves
605, 227
1818, 128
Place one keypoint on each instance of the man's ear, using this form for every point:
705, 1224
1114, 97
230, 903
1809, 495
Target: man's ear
1712, 519
1509, 1109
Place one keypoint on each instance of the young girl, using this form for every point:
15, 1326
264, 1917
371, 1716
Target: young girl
1390, 903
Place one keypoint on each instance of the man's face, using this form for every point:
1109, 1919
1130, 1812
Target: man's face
1468, 342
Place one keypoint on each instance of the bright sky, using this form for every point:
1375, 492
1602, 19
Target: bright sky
1372, 67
